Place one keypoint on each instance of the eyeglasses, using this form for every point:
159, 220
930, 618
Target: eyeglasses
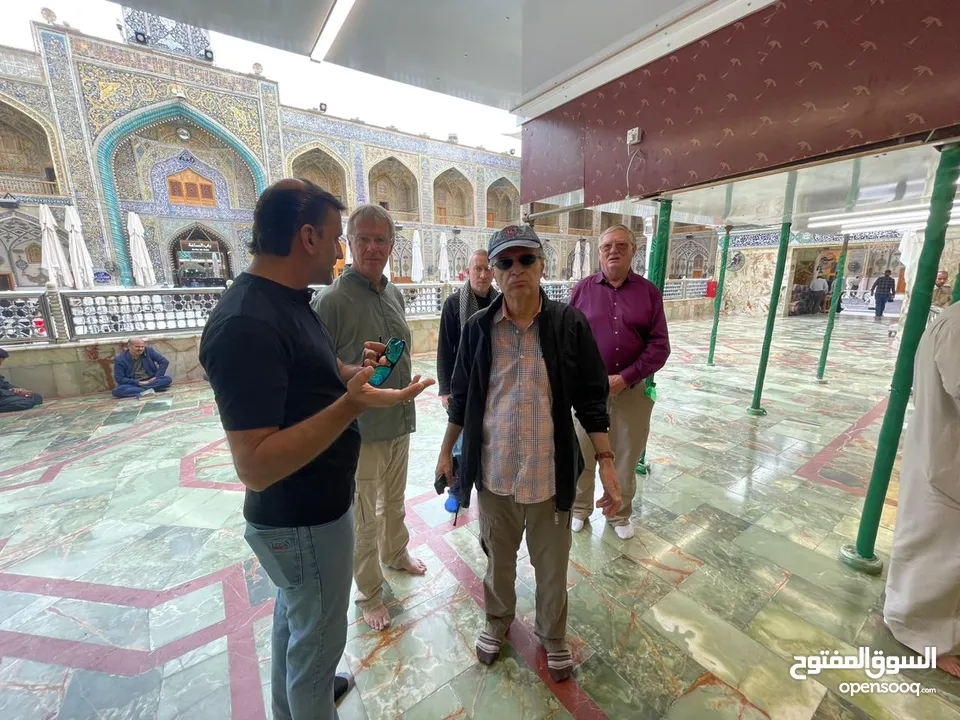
393, 353
507, 263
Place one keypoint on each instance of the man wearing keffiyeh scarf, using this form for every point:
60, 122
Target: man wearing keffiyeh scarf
475, 295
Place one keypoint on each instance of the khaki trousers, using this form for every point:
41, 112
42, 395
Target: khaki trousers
379, 514
630, 413
502, 523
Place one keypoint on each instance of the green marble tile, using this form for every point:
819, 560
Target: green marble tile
614, 695
730, 559
711, 697
467, 546
788, 635
657, 669
806, 530
711, 641
422, 651
808, 564
838, 616
720, 523
730, 597
833, 707
508, 690
630, 584
876, 635
660, 557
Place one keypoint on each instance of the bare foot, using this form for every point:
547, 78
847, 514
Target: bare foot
378, 618
949, 664
413, 565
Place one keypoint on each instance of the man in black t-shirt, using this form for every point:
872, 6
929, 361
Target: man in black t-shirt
290, 408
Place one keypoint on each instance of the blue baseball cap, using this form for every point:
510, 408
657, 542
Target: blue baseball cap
513, 236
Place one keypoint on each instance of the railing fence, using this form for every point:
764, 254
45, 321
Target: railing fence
44, 316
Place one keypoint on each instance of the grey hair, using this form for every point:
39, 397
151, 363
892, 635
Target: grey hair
479, 251
371, 212
131, 340
619, 228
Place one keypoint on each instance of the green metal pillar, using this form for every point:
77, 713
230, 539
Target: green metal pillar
724, 247
791, 192
661, 242
852, 194
956, 290
861, 556
718, 302
657, 274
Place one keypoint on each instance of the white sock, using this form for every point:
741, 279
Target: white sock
576, 524
624, 532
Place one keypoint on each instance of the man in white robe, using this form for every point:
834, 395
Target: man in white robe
922, 607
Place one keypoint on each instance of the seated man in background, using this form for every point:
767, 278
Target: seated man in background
13, 399
140, 371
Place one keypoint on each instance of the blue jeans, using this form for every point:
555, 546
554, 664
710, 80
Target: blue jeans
881, 304
312, 568
458, 455
125, 391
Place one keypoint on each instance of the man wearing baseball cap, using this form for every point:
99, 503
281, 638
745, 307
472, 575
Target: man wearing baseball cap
523, 364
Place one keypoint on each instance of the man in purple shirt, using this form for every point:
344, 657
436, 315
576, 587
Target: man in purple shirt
626, 315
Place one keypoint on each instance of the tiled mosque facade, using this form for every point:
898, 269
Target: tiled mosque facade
158, 130
111, 128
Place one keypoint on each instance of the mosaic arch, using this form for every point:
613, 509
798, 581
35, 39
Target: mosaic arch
109, 140
50, 136
320, 165
395, 187
550, 260
453, 198
503, 203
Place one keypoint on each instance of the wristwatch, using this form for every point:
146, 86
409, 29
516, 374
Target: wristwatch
600, 456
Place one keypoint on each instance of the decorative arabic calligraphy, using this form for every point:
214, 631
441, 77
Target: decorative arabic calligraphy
876, 665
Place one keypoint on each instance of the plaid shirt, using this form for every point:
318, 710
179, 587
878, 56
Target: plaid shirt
884, 286
518, 443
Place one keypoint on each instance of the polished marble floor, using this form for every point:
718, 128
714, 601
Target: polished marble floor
127, 591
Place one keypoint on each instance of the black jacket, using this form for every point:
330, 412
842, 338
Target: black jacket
449, 340
578, 380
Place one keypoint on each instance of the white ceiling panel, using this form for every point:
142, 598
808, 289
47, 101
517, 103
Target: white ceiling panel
292, 25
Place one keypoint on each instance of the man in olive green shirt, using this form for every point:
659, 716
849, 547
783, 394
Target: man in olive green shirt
362, 305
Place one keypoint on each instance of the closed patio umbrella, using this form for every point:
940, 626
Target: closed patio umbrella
80, 261
143, 273
416, 271
53, 261
443, 260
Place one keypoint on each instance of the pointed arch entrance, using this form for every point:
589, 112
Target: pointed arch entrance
200, 257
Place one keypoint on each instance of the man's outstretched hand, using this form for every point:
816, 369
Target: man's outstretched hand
366, 396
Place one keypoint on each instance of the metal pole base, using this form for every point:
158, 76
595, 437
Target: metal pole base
849, 556
822, 381
642, 468
711, 364
756, 412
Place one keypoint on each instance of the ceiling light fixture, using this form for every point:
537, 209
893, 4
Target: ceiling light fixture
892, 218
878, 212
331, 28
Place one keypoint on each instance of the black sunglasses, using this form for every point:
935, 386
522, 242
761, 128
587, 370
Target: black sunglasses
507, 263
